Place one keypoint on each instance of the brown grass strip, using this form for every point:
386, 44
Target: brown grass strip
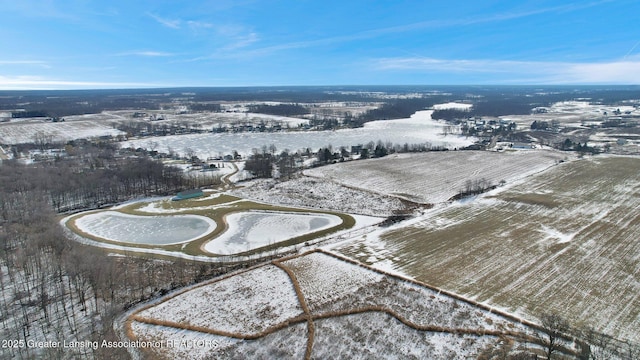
235, 335
407, 322
128, 330
311, 330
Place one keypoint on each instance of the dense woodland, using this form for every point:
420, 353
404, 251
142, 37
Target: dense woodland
54, 289
94, 176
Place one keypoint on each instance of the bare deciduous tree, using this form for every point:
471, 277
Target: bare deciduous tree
553, 332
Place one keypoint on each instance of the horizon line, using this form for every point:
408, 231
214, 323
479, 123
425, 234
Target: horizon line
317, 86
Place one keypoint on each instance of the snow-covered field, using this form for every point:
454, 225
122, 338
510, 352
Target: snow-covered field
322, 287
572, 113
151, 230
21, 132
453, 105
95, 125
320, 194
208, 120
251, 230
418, 129
247, 303
355, 312
436, 176
565, 240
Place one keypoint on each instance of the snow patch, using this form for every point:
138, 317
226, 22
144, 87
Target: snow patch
250, 230
152, 230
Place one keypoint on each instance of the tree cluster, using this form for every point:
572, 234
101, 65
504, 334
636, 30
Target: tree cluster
557, 336
569, 145
68, 187
260, 165
267, 163
474, 187
542, 125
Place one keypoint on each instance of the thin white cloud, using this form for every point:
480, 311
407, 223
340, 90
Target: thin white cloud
631, 50
40, 83
455, 65
234, 43
170, 23
430, 24
242, 41
38, 63
543, 72
626, 71
146, 53
37, 9
195, 25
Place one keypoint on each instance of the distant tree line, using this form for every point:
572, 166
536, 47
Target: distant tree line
28, 114
201, 107
491, 108
61, 109
397, 109
143, 128
280, 109
267, 163
489, 101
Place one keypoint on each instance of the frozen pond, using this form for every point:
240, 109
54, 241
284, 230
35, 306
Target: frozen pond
251, 230
418, 129
149, 230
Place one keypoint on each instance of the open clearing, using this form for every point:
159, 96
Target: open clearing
565, 240
320, 305
435, 177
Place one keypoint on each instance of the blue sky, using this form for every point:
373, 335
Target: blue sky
75, 44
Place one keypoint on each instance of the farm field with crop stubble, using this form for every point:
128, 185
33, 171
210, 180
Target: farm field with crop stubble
435, 177
565, 240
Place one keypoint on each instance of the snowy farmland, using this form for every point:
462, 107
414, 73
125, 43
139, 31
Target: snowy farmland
563, 240
435, 177
26, 132
319, 305
418, 129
